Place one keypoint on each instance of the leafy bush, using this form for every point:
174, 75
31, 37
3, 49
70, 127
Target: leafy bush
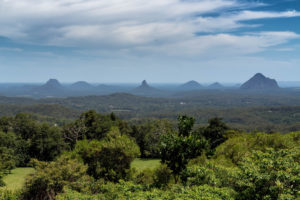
148, 134
128, 190
46, 143
162, 176
241, 145
144, 177
210, 173
50, 178
9, 195
270, 175
109, 158
177, 149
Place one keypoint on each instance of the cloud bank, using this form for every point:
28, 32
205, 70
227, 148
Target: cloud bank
169, 27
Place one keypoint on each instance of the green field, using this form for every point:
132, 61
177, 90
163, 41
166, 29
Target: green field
141, 164
16, 179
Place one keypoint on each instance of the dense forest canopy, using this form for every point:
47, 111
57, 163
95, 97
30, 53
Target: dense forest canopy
90, 158
249, 111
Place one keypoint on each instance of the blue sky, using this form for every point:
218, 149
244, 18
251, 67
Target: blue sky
158, 40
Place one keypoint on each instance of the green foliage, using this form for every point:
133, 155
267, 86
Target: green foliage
244, 165
270, 175
159, 177
30, 139
162, 176
247, 164
212, 173
96, 124
240, 145
178, 149
7, 158
128, 190
1, 178
144, 177
185, 125
109, 158
74, 131
148, 134
14, 150
265, 112
92, 125
5, 123
9, 195
7, 152
46, 143
50, 178
25, 126
214, 133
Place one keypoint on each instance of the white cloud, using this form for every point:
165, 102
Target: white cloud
232, 21
223, 45
138, 26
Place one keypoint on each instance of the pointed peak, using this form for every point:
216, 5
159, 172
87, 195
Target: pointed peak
144, 83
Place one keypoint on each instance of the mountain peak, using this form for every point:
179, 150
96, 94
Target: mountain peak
260, 82
191, 85
216, 85
144, 88
259, 75
81, 85
52, 84
144, 84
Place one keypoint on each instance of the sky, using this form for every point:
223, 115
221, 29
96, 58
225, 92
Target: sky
162, 41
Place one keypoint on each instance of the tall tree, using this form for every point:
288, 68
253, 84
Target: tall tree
178, 148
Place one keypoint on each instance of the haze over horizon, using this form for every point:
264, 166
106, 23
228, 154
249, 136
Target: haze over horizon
160, 41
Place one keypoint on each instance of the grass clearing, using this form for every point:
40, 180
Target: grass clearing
16, 179
141, 164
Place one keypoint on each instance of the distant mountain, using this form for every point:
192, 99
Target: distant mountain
51, 88
191, 85
52, 84
81, 85
216, 85
260, 82
145, 89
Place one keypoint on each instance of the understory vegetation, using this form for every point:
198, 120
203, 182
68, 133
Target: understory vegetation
95, 157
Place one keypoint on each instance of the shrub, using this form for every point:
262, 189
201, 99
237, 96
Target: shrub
145, 177
162, 176
9, 195
109, 158
212, 174
128, 190
269, 175
50, 178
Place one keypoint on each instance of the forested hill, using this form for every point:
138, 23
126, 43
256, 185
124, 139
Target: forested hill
247, 111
